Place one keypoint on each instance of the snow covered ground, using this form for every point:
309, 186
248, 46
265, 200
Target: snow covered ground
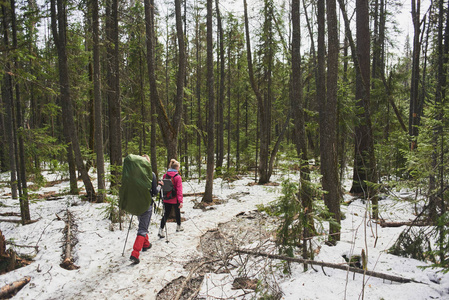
105, 274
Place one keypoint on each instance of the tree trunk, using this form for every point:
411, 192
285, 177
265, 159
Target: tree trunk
228, 165
199, 122
262, 109
364, 162
4, 143
237, 129
328, 126
24, 203
414, 115
220, 98
342, 127
154, 95
169, 130
98, 102
211, 105
296, 99
7, 95
436, 200
113, 91
58, 24
180, 82
90, 123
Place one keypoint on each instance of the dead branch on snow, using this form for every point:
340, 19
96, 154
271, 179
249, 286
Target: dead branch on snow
330, 265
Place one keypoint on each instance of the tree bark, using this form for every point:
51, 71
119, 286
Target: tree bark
154, 95
299, 136
98, 102
113, 91
24, 203
58, 24
7, 96
262, 109
9, 290
364, 161
220, 98
4, 143
180, 82
414, 113
169, 130
199, 122
211, 107
328, 125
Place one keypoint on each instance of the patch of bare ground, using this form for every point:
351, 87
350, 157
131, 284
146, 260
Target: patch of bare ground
217, 247
208, 205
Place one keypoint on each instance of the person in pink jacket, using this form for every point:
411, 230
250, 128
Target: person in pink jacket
174, 199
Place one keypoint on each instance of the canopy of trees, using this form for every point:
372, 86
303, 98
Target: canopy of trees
228, 89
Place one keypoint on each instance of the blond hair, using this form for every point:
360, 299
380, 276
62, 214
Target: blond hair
173, 164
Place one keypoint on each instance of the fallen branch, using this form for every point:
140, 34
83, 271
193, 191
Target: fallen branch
67, 263
179, 293
53, 198
9, 290
36, 248
18, 221
330, 265
193, 194
197, 291
406, 223
10, 214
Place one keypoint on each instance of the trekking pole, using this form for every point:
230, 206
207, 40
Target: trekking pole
160, 198
166, 232
124, 246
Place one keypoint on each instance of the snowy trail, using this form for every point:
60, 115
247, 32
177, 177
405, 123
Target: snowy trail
104, 273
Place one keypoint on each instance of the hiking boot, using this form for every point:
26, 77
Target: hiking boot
134, 260
147, 248
179, 228
161, 233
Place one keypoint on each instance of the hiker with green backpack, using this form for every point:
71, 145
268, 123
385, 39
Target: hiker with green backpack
172, 196
139, 185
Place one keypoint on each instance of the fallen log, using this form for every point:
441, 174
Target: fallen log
54, 198
405, 223
193, 194
11, 289
10, 214
330, 265
67, 263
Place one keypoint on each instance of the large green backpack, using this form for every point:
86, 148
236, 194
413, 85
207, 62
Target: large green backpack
137, 176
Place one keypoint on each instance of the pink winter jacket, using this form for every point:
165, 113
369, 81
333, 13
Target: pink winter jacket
177, 183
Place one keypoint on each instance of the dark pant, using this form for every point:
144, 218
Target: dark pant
167, 208
144, 221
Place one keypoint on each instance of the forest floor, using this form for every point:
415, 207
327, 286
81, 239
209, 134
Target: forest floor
201, 262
